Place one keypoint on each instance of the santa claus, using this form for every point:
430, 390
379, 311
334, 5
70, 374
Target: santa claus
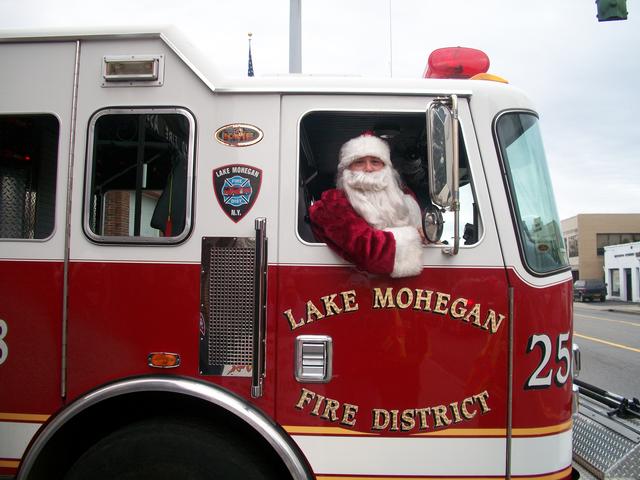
368, 219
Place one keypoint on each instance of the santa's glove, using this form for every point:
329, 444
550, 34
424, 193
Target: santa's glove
408, 258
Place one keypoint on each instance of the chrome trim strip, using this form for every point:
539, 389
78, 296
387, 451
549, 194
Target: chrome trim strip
260, 305
510, 384
67, 223
284, 446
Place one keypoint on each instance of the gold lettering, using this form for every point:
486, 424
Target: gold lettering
292, 323
383, 302
378, 414
404, 291
482, 398
349, 298
394, 421
461, 312
408, 421
475, 313
330, 410
456, 412
442, 300
465, 413
423, 412
330, 306
423, 298
313, 310
349, 415
316, 409
491, 318
440, 416
305, 397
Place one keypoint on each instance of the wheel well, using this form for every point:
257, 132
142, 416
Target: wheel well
86, 428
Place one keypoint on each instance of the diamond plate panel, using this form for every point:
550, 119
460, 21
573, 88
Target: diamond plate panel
604, 452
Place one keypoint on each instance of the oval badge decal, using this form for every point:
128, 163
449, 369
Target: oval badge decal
239, 135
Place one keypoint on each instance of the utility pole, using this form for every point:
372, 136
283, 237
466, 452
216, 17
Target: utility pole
295, 36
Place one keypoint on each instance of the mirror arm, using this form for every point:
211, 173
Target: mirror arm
455, 207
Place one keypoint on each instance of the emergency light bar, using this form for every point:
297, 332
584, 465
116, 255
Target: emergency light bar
132, 70
456, 62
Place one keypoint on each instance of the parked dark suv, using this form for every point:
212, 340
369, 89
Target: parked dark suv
590, 289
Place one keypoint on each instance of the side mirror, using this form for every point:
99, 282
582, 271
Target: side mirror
440, 153
442, 157
432, 223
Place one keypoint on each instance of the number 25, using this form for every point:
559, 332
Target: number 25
562, 359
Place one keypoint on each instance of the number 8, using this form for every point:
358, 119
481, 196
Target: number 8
4, 348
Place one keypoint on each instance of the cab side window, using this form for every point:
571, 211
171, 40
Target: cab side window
28, 167
139, 180
322, 134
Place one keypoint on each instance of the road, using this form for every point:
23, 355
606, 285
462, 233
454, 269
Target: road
610, 347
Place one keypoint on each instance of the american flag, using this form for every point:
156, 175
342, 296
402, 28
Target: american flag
250, 69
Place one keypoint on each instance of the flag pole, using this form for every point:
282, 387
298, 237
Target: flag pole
250, 66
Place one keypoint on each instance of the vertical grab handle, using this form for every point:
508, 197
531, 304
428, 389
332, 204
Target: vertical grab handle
259, 325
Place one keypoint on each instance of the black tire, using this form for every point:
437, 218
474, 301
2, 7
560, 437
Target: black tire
173, 449
602, 298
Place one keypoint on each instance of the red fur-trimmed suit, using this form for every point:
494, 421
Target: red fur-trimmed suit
395, 251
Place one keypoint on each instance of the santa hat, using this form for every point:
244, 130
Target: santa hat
364, 145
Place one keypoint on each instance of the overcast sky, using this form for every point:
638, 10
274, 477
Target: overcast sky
582, 75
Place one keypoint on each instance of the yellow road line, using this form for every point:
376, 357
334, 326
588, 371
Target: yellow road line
606, 319
617, 345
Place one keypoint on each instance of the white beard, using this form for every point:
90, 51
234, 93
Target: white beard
378, 198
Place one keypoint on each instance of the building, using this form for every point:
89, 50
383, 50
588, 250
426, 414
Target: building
586, 235
622, 271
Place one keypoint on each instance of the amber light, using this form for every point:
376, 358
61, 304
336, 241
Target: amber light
456, 62
163, 360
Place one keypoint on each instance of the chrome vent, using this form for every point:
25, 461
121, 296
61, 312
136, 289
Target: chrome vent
227, 306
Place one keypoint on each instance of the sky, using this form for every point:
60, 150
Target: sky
581, 74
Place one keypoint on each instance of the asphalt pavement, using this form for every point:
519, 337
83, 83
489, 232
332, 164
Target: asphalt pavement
613, 306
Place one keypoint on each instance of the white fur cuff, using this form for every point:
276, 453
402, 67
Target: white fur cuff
408, 259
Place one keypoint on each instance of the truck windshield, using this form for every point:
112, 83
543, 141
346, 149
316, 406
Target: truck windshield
532, 198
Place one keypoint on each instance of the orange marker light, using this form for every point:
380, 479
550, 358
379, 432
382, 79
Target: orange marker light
163, 360
489, 76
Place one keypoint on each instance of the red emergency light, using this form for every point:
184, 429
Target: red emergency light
456, 62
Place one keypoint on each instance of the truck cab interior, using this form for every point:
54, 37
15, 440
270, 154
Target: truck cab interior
322, 133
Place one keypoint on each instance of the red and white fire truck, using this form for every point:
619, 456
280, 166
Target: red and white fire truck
166, 312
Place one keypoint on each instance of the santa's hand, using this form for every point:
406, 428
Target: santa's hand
408, 255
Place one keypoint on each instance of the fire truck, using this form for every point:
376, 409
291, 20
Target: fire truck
166, 311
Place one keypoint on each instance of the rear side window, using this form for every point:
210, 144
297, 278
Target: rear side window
139, 176
28, 167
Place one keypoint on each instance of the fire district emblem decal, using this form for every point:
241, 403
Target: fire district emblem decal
237, 188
